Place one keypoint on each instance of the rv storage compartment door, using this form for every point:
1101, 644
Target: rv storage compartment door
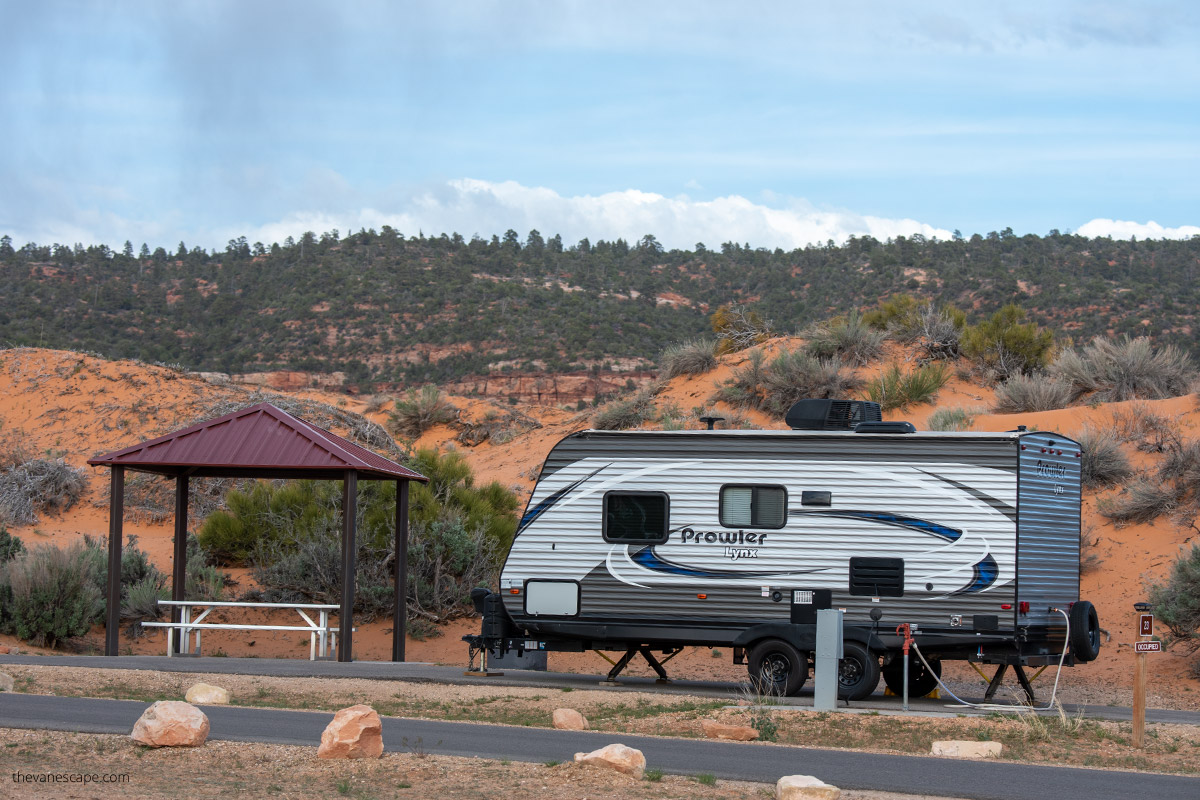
552, 598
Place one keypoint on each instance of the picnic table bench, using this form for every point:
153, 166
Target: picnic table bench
322, 638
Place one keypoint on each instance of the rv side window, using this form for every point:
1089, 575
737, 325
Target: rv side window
753, 506
636, 517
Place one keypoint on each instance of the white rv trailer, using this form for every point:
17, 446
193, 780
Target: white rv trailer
643, 541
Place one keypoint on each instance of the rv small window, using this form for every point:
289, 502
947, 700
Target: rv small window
753, 506
636, 517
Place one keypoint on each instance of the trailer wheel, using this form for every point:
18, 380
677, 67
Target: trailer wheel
1085, 631
920, 680
858, 672
777, 668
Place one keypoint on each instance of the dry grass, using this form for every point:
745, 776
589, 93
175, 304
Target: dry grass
1104, 463
689, 358
420, 411
1143, 500
1027, 393
847, 338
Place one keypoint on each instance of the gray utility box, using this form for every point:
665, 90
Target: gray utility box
829, 653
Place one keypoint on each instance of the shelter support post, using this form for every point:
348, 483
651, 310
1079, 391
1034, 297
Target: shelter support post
179, 564
349, 513
400, 605
116, 515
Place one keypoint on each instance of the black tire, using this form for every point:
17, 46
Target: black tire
858, 672
1085, 631
920, 680
777, 668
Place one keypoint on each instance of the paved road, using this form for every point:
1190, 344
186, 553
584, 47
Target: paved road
415, 671
729, 760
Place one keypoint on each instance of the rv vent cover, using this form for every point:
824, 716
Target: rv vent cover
831, 415
877, 577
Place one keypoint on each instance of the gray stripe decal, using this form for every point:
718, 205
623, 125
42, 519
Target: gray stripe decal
1001, 506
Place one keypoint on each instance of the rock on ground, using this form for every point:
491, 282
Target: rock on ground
355, 732
966, 749
719, 730
618, 757
207, 694
805, 787
568, 719
6, 682
171, 723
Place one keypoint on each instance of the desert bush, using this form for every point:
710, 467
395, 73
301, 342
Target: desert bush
1127, 369
738, 328
1143, 500
1149, 431
848, 338
795, 375
621, 415
694, 357
895, 388
951, 419
420, 411
10, 545
54, 595
939, 331
1103, 462
1177, 602
38, 485
498, 426
792, 375
1024, 393
1005, 346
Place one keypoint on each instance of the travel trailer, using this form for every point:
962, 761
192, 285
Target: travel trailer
650, 541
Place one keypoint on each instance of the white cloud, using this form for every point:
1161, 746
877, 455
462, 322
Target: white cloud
469, 206
1123, 229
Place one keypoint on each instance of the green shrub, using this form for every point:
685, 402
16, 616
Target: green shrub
897, 389
898, 312
38, 485
420, 411
54, 594
848, 338
10, 546
1104, 463
1021, 394
689, 358
951, 419
1177, 602
1005, 346
1127, 369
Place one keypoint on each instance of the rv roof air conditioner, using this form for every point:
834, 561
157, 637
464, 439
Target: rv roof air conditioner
832, 415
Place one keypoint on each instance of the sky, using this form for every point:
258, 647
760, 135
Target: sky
777, 124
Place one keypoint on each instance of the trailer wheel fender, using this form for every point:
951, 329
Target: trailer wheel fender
1085, 631
802, 637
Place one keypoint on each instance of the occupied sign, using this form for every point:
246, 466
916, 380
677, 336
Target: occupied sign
1147, 647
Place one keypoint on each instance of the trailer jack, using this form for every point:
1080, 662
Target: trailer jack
619, 666
1022, 679
476, 647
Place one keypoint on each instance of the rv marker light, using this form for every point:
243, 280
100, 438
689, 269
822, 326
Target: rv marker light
514, 590
701, 597
1006, 606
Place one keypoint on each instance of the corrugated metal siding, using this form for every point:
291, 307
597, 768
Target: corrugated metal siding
1048, 526
893, 475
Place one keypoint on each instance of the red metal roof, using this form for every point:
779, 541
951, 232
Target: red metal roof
259, 441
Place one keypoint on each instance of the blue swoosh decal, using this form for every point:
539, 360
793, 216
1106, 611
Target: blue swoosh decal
887, 518
552, 500
646, 557
986, 572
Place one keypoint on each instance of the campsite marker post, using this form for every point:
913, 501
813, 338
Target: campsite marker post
1145, 628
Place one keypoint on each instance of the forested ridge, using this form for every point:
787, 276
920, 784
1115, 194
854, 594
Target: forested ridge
391, 310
